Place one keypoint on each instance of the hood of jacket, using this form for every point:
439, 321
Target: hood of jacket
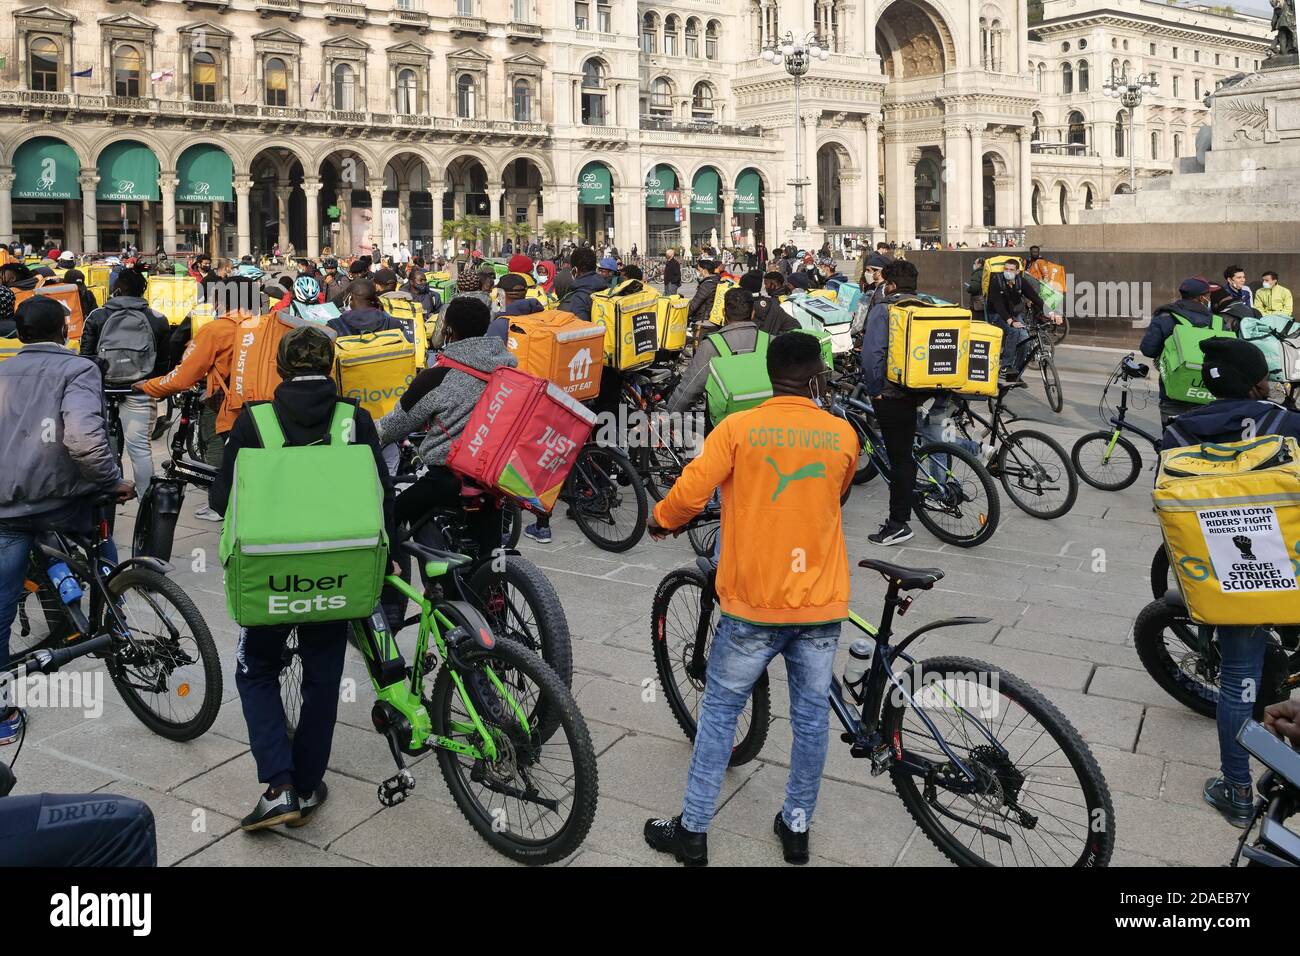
306, 404
523, 307
591, 282
483, 352
1224, 419
1192, 309
364, 320
120, 303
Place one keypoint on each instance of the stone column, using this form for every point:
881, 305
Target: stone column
283, 191
1004, 197
726, 199
872, 167
686, 219
342, 240
1026, 216
404, 215
495, 192
89, 180
167, 184
898, 173
71, 223
376, 190
6, 205
243, 234
311, 187
437, 188
956, 183
148, 241
976, 133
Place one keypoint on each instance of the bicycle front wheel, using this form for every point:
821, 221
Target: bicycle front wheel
1036, 475
521, 603
955, 497
675, 617
1038, 797
534, 801
607, 498
166, 666
1051, 380
1105, 460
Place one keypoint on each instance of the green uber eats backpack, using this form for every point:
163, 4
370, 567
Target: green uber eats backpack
1181, 358
304, 536
737, 380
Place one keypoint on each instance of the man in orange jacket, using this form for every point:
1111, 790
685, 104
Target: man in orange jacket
782, 583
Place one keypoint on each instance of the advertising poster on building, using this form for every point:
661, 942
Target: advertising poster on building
363, 235
388, 218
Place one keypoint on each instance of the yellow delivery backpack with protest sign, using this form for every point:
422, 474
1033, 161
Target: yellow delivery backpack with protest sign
928, 345
1230, 514
983, 360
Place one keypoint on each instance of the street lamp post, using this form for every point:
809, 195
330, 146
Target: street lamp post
1130, 93
797, 55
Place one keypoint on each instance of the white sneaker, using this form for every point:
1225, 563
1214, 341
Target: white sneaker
207, 514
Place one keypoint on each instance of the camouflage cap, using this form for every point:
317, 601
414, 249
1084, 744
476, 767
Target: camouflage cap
305, 350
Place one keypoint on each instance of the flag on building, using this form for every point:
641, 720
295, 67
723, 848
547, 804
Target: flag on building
158, 75
85, 73
315, 90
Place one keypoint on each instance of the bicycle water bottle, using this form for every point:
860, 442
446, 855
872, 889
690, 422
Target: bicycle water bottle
64, 582
860, 653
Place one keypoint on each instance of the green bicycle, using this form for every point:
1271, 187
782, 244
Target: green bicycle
510, 741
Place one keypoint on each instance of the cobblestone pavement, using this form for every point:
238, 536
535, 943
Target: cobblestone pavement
1059, 621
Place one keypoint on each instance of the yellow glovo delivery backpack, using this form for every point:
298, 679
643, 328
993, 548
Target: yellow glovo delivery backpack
928, 346
376, 368
1230, 514
983, 360
673, 315
631, 320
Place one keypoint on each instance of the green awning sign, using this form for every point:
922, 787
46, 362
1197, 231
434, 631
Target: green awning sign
704, 191
46, 168
206, 175
128, 172
661, 179
748, 191
594, 185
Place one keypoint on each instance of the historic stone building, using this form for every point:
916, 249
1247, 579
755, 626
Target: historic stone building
1082, 144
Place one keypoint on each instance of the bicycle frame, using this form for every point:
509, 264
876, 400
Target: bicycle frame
1120, 424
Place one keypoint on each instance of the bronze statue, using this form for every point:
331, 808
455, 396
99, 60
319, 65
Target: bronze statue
1284, 42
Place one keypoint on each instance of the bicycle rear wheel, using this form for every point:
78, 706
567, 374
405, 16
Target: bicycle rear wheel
955, 497
675, 616
607, 498
1105, 466
1038, 798
535, 801
1036, 475
166, 668
1180, 655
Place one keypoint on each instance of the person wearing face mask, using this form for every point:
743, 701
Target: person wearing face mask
781, 468
1273, 298
1193, 305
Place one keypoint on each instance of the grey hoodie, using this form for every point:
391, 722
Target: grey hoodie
443, 398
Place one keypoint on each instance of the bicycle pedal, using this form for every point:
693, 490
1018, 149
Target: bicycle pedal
394, 790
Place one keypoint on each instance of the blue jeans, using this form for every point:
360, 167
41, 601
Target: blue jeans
1242, 666
139, 412
1013, 355
738, 656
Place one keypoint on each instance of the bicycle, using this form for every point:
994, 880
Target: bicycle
1042, 356
605, 495
1031, 466
502, 722
654, 451
155, 519
1017, 796
1106, 459
162, 652
954, 499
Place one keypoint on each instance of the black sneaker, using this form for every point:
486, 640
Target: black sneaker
310, 804
272, 811
669, 836
891, 533
793, 845
1228, 800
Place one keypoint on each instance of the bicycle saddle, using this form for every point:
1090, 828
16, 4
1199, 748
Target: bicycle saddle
906, 578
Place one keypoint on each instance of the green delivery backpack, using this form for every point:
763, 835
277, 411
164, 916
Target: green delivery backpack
291, 554
737, 381
1180, 359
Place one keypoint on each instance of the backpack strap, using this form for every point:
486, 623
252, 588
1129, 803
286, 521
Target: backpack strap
1270, 420
343, 425
460, 367
267, 423
719, 343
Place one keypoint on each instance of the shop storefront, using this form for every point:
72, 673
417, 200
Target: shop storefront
129, 211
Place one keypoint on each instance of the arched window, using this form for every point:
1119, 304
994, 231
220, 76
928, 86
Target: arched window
1042, 70
1114, 69
523, 101
1121, 134
693, 38
1178, 145
1127, 68
593, 93
126, 71
1083, 76
1067, 78
702, 101
465, 96
1077, 130
1065, 206
43, 64
345, 87
277, 82
711, 40
650, 33
1037, 135
672, 26
408, 92
1087, 197
1155, 145
661, 97
1036, 205
203, 77
985, 57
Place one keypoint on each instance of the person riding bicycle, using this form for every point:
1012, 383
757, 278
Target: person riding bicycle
441, 399
1011, 304
134, 342
782, 582
293, 770
1193, 305
57, 454
707, 279
1236, 373
304, 292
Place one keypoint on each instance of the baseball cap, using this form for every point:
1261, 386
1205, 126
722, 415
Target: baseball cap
1196, 286
305, 350
609, 262
877, 261
512, 282
385, 277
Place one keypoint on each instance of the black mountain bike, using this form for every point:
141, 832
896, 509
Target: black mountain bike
162, 658
1042, 356
989, 769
